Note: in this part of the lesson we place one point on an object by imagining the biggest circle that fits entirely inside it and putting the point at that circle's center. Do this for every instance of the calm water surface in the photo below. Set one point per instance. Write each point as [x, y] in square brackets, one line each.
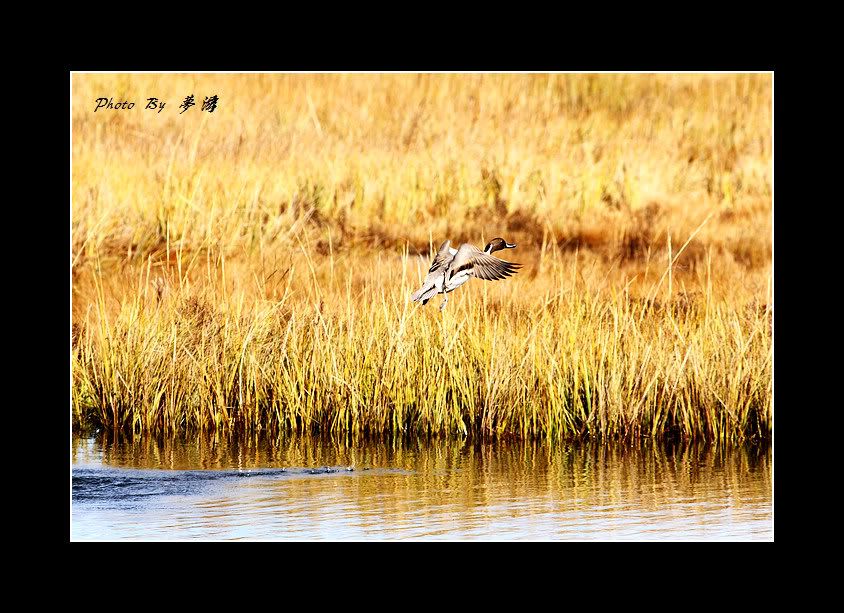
[259, 489]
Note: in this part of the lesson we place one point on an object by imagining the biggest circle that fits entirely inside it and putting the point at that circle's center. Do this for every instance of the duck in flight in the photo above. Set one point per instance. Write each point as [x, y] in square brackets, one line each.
[453, 267]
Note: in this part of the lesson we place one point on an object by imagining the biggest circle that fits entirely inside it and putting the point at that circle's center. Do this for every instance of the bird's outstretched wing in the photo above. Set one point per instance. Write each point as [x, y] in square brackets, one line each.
[442, 259]
[438, 268]
[480, 264]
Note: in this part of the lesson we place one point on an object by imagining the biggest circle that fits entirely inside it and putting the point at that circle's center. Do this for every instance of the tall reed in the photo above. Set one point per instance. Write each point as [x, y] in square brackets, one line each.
[251, 269]
[517, 358]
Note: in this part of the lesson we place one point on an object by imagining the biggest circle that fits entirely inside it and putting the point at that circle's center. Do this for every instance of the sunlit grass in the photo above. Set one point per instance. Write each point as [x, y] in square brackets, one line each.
[251, 269]
[347, 355]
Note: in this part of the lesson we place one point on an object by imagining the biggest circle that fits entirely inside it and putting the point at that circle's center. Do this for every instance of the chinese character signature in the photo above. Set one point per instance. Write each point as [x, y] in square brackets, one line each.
[209, 104]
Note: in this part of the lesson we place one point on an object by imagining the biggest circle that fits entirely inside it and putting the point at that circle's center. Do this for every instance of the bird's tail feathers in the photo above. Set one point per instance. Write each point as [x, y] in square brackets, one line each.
[424, 294]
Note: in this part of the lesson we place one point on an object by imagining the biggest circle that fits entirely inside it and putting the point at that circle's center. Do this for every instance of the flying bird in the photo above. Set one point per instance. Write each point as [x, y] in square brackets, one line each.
[451, 268]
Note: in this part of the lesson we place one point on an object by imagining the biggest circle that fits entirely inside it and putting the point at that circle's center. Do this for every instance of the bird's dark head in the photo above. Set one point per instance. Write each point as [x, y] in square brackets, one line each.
[497, 244]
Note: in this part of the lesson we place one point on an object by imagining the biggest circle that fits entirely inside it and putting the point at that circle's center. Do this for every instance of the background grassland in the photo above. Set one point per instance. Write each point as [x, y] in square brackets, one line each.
[251, 267]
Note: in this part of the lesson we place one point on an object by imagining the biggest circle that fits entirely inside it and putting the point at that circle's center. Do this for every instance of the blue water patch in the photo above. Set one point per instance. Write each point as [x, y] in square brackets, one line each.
[123, 485]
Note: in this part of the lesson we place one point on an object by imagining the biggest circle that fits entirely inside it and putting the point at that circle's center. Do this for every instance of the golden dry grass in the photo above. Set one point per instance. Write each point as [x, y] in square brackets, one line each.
[251, 268]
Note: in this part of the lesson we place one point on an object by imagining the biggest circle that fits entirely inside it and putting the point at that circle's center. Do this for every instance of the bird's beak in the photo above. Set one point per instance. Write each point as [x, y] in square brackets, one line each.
[509, 245]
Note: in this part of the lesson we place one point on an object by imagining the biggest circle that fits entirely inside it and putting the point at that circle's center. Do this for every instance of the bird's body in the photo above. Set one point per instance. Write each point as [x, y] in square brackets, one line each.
[452, 268]
[435, 279]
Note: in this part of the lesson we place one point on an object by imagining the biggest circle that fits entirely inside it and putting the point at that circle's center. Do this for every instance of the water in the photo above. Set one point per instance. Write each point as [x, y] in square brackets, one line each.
[300, 489]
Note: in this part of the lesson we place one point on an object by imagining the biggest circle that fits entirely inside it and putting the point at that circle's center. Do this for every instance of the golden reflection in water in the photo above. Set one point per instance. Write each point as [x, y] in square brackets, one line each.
[458, 489]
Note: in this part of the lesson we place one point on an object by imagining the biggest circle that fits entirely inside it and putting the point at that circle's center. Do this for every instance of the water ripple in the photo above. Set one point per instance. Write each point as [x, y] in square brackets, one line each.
[432, 493]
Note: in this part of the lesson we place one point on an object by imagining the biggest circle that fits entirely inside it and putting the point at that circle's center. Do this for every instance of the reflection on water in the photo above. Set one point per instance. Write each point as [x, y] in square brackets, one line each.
[302, 488]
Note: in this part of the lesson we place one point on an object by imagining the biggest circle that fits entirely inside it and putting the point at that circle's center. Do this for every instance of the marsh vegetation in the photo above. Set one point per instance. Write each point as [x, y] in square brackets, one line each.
[251, 269]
